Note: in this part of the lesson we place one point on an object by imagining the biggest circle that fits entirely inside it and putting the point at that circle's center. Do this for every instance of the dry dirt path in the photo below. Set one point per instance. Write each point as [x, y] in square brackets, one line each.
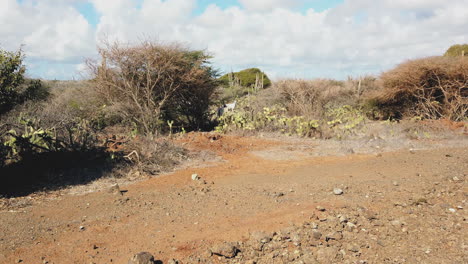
[259, 185]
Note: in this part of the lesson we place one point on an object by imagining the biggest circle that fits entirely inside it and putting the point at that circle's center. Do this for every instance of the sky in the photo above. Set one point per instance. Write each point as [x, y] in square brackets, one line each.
[301, 39]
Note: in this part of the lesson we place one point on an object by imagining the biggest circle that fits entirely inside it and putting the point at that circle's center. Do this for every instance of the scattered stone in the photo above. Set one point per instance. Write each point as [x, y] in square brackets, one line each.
[82, 228]
[456, 179]
[320, 208]
[326, 255]
[343, 219]
[337, 191]
[452, 210]
[350, 226]
[420, 201]
[195, 177]
[115, 189]
[333, 236]
[262, 237]
[277, 194]
[227, 250]
[395, 183]
[316, 234]
[353, 248]
[142, 258]
[370, 215]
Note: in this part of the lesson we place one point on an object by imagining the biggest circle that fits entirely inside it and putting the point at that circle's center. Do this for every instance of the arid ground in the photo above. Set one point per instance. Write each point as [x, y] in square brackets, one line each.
[259, 200]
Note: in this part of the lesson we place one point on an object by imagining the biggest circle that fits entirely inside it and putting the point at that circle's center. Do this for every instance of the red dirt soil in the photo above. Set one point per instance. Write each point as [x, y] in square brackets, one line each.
[173, 216]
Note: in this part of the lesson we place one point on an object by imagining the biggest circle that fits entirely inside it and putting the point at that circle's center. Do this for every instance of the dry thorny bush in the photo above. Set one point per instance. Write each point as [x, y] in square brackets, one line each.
[431, 88]
[312, 98]
[150, 83]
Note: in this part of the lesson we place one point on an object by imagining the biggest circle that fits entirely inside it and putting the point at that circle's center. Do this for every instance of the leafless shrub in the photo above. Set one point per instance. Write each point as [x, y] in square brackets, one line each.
[150, 83]
[311, 98]
[154, 156]
[435, 87]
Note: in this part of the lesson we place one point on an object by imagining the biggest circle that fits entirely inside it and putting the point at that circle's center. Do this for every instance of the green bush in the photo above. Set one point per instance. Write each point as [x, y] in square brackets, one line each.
[457, 50]
[14, 87]
[271, 119]
[246, 78]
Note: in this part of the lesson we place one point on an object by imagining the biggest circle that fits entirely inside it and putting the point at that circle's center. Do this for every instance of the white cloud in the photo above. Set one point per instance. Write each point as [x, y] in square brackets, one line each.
[49, 29]
[356, 37]
[265, 5]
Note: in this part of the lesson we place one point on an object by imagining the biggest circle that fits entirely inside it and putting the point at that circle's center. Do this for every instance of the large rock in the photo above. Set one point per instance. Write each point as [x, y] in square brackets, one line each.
[227, 250]
[142, 258]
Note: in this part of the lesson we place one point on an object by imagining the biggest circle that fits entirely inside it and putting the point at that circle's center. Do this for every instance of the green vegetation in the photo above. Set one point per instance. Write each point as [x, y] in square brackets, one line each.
[50, 137]
[268, 119]
[248, 78]
[457, 50]
[238, 84]
[14, 87]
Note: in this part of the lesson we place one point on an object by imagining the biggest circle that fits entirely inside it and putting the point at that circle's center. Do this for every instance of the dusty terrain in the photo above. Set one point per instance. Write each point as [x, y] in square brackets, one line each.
[260, 201]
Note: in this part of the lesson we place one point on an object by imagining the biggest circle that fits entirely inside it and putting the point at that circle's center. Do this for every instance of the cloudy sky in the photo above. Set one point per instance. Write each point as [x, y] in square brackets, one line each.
[286, 38]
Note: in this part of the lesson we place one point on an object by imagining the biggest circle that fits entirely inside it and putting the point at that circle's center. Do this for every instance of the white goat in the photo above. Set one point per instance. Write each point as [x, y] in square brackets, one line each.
[226, 108]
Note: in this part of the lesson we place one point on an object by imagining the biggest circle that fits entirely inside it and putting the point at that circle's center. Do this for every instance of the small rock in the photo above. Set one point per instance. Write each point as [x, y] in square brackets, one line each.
[350, 226]
[277, 194]
[456, 178]
[370, 215]
[316, 234]
[82, 228]
[459, 207]
[142, 258]
[320, 208]
[326, 255]
[452, 210]
[334, 236]
[353, 248]
[337, 191]
[395, 183]
[261, 237]
[227, 250]
[115, 189]
[343, 219]
[195, 177]
[173, 261]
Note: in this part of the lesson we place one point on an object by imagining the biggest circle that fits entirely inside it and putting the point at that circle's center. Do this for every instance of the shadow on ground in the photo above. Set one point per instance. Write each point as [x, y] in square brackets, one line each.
[56, 170]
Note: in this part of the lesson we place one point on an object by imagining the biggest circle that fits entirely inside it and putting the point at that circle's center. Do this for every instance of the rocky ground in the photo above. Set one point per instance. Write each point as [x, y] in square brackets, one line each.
[260, 201]
[429, 229]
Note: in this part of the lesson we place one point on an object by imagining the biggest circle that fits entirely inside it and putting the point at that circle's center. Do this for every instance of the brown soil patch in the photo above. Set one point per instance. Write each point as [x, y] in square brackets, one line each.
[173, 216]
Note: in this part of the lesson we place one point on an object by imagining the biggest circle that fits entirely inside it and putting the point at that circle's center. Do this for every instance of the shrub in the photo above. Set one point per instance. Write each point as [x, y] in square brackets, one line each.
[246, 78]
[14, 87]
[457, 50]
[311, 98]
[151, 83]
[272, 119]
[435, 87]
